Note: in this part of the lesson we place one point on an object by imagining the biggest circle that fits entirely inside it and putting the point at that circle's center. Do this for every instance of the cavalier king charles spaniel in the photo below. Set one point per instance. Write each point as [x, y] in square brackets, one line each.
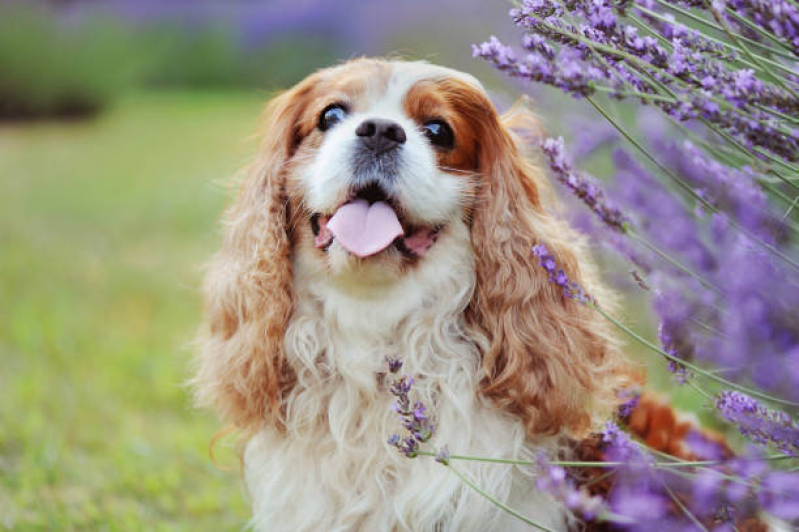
[391, 212]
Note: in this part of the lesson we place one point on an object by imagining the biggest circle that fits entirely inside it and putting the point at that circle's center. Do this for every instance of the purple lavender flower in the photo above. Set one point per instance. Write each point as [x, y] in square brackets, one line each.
[780, 17]
[554, 480]
[705, 448]
[581, 185]
[578, 46]
[412, 415]
[442, 456]
[558, 276]
[650, 204]
[394, 364]
[675, 335]
[618, 445]
[759, 423]
[732, 190]
[639, 502]
[631, 396]
[779, 494]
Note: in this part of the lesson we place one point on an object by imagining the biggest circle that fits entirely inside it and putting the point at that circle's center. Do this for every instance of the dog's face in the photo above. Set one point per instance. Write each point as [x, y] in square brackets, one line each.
[384, 163]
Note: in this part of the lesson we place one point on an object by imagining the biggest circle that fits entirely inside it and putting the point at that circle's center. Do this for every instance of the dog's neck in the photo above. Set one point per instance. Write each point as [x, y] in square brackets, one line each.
[341, 332]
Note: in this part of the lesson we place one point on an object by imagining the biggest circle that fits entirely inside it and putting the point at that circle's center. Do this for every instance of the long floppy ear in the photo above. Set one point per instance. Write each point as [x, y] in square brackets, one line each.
[242, 370]
[546, 358]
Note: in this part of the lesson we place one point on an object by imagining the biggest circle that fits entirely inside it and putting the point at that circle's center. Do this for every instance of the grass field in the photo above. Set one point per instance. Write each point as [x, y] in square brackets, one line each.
[103, 228]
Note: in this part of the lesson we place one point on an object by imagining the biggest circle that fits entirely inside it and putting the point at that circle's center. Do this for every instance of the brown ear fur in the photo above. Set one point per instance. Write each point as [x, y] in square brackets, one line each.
[242, 370]
[546, 358]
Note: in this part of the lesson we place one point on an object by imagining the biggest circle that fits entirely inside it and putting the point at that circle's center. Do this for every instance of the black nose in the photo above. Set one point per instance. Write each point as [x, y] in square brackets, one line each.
[380, 135]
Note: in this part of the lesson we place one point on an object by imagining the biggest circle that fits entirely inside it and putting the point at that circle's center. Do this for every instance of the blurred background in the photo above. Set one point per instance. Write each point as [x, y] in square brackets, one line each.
[120, 123]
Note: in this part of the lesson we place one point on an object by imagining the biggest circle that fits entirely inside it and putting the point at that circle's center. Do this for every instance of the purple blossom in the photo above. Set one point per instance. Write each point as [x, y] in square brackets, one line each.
[703, 80]
[674, 332]
[394, 364]
[558, 276]
[703, 447]
[639, 502]
[632, 397]
[442, 456]
[554, 480]
[780, 17]
[779, 494]
[759, 423]
[581, 185]
[412, 415]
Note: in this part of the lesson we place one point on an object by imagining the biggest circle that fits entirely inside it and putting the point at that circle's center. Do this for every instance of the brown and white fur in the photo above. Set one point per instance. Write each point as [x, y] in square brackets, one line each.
[295, 339]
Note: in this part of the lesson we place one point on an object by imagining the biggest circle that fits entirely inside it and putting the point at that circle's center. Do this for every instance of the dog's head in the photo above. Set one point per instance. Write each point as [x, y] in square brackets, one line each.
[368, 172]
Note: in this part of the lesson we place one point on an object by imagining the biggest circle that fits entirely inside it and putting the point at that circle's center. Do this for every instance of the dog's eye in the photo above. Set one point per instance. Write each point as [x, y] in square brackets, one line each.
[332, 115]
[439, 133]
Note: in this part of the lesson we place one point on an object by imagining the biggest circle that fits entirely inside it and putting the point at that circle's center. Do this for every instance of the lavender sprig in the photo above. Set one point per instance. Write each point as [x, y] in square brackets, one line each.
[571, 289]
[583, 45]
[581, 185]
[554, 480]
[758, 423]
[412, 414]
[631, 397]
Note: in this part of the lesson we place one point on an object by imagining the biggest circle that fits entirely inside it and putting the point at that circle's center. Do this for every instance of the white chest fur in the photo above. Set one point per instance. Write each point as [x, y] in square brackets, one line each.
[332, 469]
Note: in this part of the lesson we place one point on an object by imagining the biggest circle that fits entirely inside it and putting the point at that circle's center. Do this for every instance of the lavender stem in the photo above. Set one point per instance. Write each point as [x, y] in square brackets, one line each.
[498, 503]
[687, 187]
[690, 366]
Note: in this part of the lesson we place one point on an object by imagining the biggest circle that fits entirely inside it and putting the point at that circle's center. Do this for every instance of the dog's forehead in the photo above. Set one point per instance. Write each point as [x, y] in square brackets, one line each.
[371, 83]
[405, 75]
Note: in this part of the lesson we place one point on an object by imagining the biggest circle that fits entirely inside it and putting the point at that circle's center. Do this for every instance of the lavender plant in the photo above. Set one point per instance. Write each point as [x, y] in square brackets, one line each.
[702, 204]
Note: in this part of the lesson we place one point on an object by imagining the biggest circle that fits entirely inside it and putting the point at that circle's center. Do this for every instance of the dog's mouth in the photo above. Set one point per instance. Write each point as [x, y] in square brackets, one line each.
[369, 222]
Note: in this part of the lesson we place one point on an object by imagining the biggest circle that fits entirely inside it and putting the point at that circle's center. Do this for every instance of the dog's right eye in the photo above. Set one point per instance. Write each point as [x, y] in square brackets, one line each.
[332, 115]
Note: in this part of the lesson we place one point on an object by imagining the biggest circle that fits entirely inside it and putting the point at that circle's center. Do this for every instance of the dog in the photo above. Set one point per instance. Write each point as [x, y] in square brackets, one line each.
[391, 212]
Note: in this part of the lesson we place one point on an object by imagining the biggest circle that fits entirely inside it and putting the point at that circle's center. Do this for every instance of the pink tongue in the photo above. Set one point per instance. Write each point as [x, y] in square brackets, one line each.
[365, 229]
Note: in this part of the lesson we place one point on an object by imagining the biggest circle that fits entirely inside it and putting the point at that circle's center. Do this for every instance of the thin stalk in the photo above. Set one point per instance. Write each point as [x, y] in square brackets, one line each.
[675, 463]
[731, 478]
[709, 24]
[749, 54]
[707, 327]
[778, 161]
[682, 507]
[731, 140]
[770, 458]
[790, 208]
[661, 18]
[498, 503]
[599, 479]
[721, 152]
[665, 88]
[644, 64]
[779, 114]
[699, 390]
[696, 369]
[685, 186]
[635, 94]
[665, 256]
[755, 27]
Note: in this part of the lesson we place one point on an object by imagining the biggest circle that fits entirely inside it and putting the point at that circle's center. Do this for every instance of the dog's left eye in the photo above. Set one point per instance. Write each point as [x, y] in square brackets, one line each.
[332, 115]
[439, 134]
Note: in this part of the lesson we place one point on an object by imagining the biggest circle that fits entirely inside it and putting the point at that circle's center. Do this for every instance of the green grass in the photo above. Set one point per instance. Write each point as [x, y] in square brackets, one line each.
[104, 226]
